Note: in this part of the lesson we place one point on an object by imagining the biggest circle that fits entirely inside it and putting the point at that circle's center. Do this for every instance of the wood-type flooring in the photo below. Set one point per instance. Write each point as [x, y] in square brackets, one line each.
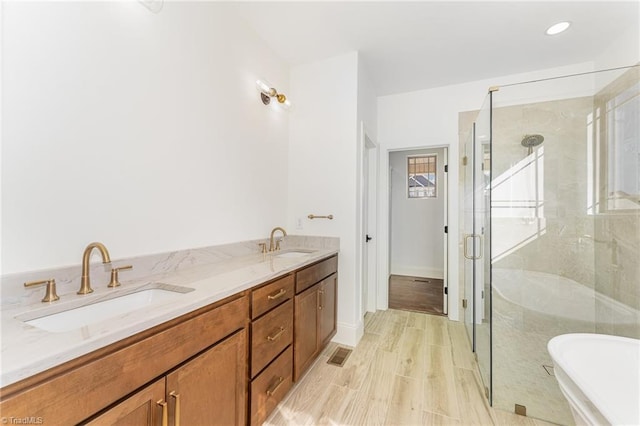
[416, 294]
[409, 369]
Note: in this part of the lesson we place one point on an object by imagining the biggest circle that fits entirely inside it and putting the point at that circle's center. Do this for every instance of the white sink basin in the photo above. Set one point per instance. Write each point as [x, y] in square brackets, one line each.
[295, 253]
[101, 310]
[600, 377]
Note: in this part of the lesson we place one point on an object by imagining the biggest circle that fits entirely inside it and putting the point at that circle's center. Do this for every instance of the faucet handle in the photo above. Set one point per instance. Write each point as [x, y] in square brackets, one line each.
[278, 241]
[50, 295]
[114, 275]
[263, 247]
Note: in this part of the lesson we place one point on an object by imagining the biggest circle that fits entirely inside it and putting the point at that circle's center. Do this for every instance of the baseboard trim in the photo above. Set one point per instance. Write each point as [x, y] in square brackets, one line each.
[417, 271]
[348, 334]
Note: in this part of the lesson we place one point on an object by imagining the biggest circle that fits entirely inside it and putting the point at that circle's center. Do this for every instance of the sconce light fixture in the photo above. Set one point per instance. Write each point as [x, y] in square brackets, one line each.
[267, 92]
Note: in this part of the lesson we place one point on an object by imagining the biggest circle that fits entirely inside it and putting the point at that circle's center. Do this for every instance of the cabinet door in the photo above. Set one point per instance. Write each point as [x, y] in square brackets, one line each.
[327, 309]
[305, 344]
[212, 387]
[140, 409]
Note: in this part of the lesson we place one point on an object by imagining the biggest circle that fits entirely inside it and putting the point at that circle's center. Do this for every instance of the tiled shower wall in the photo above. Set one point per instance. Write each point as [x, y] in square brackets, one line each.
[617, 257]
[560, 233]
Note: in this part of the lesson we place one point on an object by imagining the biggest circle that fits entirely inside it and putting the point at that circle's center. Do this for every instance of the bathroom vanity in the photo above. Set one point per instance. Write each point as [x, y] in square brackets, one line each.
[229, 361]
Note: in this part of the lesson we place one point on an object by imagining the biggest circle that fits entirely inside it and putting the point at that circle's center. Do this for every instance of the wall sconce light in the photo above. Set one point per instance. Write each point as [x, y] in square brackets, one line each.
[267, 92]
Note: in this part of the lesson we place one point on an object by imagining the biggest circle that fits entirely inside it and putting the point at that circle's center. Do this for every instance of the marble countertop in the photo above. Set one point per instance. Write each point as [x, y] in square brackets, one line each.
[27, 350]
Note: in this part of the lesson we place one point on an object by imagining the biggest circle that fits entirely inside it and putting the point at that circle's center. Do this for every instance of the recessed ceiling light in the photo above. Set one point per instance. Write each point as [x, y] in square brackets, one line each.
[558, 28]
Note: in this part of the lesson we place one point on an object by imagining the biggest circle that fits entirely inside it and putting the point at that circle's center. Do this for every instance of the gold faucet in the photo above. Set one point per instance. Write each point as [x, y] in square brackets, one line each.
[277, 246]
[51, 295]
[85, 283]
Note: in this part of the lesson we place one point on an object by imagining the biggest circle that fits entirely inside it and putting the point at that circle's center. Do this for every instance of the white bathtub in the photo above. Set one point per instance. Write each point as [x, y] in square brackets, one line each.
[562, 297]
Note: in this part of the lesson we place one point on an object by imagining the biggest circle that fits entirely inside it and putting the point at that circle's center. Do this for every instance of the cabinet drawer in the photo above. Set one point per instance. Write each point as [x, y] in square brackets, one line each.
[271, 295]
[270, 387]
[270, 335]
[314, 273]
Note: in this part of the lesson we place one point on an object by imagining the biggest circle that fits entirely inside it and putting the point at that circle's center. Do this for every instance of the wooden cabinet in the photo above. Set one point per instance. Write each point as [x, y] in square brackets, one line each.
[205, 367]
[306, 331]
[270, 335]
[314, 312]
[211, 388]
[327, 309]
[271, 386]
[271, 295]
[271, 353]
[141, 408]
[75, 391]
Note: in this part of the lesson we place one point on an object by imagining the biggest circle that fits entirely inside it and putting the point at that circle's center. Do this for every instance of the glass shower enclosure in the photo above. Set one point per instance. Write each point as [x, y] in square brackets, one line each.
[551, 228]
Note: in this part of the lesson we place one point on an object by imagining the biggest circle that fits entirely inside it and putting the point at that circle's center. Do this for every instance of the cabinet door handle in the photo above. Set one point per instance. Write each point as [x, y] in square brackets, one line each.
[177, 416]
[273, 390]
[321, 297]
[276, 336]
[165, 413]
[277, 295]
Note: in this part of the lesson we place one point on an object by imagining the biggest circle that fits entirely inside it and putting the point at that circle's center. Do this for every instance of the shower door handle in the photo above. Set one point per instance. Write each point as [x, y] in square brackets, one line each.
[466, 246]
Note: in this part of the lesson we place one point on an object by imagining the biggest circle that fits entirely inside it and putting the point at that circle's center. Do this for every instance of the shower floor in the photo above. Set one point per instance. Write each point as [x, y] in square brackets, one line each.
[519, 356]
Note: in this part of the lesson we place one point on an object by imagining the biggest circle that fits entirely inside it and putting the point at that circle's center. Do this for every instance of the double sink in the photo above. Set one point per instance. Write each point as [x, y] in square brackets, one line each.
[120, 302]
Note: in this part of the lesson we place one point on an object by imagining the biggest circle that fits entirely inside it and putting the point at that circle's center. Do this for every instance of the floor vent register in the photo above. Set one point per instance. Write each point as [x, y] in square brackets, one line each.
[339, 357]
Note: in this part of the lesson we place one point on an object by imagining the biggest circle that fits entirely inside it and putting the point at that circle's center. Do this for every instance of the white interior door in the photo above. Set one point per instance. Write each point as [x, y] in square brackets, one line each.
[368, 231]
[365, 227]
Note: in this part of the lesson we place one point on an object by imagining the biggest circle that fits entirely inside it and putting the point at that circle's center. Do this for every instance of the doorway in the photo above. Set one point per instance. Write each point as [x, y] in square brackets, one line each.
[368, 221]
[417, 223]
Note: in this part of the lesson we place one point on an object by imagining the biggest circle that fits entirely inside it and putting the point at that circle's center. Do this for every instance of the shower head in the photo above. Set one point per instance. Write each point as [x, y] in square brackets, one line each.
[529, 141]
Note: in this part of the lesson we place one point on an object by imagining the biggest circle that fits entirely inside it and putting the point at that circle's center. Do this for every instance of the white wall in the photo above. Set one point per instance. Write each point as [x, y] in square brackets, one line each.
[323, 168]
[417, 225]
[142, 131]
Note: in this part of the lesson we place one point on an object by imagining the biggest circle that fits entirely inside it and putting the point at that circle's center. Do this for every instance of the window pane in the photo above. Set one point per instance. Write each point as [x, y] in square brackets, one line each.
[422, 176]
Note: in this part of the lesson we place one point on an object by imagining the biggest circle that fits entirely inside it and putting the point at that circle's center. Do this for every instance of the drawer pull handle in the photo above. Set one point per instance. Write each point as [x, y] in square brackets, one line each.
[277, 295]
[177, 416]
[273, 390]
[165, 413]
[276, 336]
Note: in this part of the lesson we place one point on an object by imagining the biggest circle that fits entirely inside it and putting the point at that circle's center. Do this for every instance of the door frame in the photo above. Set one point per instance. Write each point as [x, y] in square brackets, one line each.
[385, 261]
[368, 214]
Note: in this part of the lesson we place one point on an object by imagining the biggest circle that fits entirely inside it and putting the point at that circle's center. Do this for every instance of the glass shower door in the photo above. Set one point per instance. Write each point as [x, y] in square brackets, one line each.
[482, 242]
[477, 243]
[468, 216]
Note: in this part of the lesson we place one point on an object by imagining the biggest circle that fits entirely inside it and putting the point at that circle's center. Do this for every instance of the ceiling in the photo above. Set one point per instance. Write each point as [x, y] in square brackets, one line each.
[415, 45]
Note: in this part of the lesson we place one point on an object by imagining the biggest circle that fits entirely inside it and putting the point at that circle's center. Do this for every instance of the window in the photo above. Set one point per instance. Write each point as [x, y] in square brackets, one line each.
[422, 176]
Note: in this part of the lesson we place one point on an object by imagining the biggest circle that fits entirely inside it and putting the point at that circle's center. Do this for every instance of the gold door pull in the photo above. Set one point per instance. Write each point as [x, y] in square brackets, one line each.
[273, 390]
[114, 276]
[50, 295]
[277, 295]
[176, 395]
[276, 336]
[165, 413]
[314, 216]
